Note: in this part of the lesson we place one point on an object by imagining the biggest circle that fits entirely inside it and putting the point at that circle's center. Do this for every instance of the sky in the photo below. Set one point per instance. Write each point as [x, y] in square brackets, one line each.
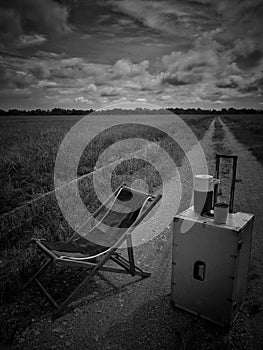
[90, 53]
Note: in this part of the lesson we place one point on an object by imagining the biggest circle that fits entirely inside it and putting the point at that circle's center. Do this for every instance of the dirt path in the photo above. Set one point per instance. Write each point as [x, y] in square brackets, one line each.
[138, 315]
[249, 198]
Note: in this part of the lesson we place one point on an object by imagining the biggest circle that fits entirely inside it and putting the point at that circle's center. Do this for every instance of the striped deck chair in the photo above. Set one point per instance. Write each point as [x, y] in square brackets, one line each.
[128, 208]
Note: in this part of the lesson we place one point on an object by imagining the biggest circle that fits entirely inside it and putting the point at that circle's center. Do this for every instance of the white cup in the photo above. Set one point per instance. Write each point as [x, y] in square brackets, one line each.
[220, 213]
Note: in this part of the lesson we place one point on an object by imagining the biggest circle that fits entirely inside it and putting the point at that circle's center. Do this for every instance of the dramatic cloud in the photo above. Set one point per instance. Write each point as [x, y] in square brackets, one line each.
[232, 81]
[29, 22]
[125, 69]
[164, 16]
[110, 91]
[27, 40]
[204, 63]
[198, 53]
[10, 26]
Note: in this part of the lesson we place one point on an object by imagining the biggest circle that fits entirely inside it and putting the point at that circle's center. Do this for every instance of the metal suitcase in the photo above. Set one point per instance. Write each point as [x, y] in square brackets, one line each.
[210, 264]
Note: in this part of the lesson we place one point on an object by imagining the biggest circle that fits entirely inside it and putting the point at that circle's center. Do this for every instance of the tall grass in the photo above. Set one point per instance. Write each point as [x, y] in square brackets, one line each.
[248, 129]
[27, 158]
[28, 153]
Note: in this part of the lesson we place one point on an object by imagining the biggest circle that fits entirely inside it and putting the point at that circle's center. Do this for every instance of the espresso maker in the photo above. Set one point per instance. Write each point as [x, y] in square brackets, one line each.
[206, 188]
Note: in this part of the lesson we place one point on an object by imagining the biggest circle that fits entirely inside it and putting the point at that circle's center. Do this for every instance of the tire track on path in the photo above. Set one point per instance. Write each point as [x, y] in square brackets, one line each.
[248, 198]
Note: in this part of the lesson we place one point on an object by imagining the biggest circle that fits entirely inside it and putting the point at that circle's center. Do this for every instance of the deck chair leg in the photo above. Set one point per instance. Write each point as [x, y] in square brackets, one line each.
[47, 295]
[120, 260]
[38, 273]
[81, 285]
[142, 273]
[62, 307]
[130, 254]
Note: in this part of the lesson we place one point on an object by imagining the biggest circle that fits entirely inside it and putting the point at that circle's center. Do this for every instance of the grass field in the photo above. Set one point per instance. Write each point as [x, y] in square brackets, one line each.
[29, 147]
[42, 217]
[248, 129]
[28, 205]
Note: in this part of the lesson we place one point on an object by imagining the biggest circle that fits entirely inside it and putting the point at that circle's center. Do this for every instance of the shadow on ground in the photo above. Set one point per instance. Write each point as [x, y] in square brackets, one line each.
[159, 325]
[30, 306]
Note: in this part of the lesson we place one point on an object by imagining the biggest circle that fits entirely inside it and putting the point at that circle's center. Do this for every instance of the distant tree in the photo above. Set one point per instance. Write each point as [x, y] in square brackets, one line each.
[175, 110]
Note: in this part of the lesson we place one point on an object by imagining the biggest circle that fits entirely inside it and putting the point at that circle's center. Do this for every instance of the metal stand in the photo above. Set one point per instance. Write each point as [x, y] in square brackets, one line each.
[233, 181]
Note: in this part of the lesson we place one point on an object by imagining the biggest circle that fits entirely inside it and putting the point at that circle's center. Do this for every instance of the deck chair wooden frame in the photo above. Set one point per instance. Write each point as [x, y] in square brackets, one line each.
[125, 266]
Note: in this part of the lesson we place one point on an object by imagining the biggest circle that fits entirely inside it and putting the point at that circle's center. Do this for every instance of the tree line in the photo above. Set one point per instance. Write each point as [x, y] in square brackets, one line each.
[53, 111]
[61, 111]
[215, 111]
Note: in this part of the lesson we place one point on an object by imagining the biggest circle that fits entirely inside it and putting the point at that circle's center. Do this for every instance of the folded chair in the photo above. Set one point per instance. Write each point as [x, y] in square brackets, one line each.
[92, 249]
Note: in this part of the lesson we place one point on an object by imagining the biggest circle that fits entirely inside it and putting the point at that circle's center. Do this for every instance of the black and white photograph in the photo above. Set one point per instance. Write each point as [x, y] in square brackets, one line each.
[131, 167]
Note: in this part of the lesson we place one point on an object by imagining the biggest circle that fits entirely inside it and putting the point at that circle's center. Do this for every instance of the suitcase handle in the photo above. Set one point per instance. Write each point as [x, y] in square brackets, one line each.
[199, 270]
[233, 181]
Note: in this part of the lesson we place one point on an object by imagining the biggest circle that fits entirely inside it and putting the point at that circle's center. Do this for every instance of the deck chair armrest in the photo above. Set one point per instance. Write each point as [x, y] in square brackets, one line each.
[34, 240]
[144, 213]
[46, 250]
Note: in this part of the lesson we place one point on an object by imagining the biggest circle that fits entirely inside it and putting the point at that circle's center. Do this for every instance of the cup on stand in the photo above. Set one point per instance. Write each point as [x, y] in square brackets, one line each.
[203, 193]
[221, 213]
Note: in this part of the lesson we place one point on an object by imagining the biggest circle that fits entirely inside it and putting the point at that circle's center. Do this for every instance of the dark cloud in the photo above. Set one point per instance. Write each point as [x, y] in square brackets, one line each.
[241, 20]
[30, 21]
[72, 71]
[174, 51]
[252, 59]
[39, 71]
[249, 89]
[252, 85]
[177, 80]
[228, 83]
[15, 79]
[10, 26]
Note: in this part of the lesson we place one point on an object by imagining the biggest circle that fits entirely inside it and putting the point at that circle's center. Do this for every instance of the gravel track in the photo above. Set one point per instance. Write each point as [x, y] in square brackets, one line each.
[138, 314]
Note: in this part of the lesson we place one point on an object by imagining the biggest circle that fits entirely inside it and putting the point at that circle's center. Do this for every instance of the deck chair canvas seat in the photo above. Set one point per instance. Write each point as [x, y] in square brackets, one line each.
[128, 208]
